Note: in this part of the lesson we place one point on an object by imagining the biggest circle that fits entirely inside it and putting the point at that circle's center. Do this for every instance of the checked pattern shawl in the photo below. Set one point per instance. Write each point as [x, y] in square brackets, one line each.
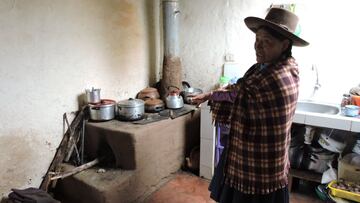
[257, 160]
[221, 108]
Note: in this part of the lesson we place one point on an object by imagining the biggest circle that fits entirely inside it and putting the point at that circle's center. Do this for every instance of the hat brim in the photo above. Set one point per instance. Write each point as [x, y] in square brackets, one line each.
[253, 23]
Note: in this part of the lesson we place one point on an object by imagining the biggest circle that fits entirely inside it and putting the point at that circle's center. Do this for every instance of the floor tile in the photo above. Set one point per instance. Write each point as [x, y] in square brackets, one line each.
[188, 188]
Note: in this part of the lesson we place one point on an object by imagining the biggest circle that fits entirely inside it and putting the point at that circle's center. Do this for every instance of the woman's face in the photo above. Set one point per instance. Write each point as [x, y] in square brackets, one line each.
[268, 48]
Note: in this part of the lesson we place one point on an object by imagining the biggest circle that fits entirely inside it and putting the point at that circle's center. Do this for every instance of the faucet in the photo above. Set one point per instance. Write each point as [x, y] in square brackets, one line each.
[317, 85]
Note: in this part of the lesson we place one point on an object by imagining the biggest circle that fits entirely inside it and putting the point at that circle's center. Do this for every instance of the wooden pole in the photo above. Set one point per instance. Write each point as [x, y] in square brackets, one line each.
[62, 151]
[76, 170]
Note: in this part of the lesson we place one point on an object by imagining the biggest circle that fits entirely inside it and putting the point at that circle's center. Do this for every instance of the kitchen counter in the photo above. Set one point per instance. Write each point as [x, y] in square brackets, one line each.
[328, 121]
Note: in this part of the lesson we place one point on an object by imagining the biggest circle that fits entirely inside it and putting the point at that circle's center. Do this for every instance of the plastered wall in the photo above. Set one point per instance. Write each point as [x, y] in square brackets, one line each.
[212, 28]
[50, 52]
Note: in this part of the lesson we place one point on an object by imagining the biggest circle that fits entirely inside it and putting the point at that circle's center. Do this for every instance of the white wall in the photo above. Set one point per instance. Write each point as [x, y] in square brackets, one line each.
[212, 28]
[50, 52]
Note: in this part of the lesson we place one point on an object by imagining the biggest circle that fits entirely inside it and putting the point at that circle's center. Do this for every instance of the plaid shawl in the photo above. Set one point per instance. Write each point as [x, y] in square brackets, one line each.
[257, 158]
[221, 110]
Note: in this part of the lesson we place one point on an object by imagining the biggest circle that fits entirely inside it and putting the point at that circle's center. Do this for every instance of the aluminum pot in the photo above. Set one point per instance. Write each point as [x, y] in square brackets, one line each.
[131, 109]
[102, 111]
[190, 92]
[92, 96]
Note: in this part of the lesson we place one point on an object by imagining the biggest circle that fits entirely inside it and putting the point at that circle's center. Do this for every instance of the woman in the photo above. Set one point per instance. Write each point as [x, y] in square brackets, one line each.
[255, 164]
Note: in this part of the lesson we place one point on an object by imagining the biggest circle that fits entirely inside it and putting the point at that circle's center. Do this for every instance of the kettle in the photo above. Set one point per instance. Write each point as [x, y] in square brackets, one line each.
[93, 96]
[174, 100]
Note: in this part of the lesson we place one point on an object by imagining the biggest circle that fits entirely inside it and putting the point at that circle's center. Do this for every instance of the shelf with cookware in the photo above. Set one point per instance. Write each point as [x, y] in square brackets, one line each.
[325, 125]
[319, 142]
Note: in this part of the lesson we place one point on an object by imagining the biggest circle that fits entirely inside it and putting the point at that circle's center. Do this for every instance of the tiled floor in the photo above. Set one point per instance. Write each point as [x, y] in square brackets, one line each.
[186, 188]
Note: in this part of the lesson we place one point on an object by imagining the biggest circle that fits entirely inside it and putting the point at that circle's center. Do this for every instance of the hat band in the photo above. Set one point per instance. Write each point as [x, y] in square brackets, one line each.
[284, 27]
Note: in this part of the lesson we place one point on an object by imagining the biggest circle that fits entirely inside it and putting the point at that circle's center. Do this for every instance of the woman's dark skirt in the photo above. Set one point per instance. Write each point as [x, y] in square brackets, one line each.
[224, 194]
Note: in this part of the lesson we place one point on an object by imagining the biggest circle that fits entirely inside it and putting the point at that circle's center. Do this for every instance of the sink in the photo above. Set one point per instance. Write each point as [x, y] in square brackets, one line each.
[317, 108]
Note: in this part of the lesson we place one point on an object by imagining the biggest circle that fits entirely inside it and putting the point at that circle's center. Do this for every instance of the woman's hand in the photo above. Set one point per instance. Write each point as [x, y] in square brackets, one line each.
[201, 98]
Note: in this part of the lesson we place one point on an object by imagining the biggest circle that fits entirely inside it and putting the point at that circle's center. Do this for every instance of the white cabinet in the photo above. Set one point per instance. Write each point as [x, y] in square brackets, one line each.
[207, 142]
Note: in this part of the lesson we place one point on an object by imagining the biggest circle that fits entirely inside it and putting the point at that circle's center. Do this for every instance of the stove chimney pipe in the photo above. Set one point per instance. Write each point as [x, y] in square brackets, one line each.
[172, 71]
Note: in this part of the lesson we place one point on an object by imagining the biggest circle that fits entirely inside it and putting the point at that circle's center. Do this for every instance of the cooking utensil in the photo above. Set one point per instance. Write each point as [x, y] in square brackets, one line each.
[154, 105]
[131, 109]
[92, 96]
[103, 111]
[190, 92]
[174, 100]
[148, 93]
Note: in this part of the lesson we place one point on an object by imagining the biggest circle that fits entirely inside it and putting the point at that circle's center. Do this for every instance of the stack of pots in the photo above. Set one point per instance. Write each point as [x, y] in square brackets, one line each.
[99, 109]
[318, 159]
[151, 97]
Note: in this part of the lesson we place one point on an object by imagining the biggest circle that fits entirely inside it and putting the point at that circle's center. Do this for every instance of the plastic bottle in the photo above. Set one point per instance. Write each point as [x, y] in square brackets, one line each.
[346, 100]
[223, 82]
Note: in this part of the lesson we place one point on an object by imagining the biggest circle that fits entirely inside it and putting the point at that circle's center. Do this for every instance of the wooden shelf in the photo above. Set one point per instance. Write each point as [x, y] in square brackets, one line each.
[306, 175]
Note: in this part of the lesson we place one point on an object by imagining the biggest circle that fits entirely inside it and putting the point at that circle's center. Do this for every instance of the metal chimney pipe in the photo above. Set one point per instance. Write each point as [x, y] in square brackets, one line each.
[171, 27]
[172, 71]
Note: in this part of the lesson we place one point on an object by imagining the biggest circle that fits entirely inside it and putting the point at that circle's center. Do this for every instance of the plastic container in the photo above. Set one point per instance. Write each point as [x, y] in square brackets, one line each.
[346, 100]
[343, 193]
[355, 100]
[347, 168]
[351, 110]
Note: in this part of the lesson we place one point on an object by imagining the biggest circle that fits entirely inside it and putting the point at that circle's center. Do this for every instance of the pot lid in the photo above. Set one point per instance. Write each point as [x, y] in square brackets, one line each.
[92, 90]
[149, 90]
[192, 90]
[153, 102]
[131, 103]
[103, 103]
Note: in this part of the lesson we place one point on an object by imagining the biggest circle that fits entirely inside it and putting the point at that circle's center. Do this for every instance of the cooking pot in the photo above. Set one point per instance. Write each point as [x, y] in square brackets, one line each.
[154, 105]
[148, 93]
[92, 96]
[319, 165]
[190, 92]
[174, 100]
[193, 161]
[131, 109]
[103, 111]
[331, 144]
[296, 156]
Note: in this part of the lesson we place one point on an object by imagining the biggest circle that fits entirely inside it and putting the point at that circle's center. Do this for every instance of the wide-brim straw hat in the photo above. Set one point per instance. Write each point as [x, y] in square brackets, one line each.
[280, 20]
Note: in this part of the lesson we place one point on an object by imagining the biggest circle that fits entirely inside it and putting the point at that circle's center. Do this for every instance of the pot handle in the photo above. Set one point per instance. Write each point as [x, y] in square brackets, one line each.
[157, 108]
[173, 87]
[185, 84]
